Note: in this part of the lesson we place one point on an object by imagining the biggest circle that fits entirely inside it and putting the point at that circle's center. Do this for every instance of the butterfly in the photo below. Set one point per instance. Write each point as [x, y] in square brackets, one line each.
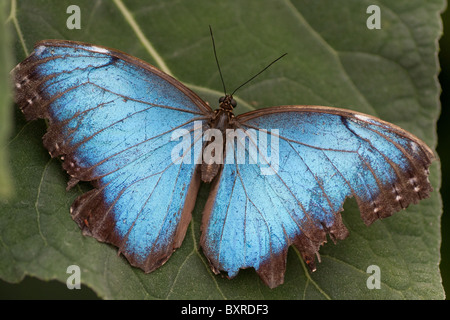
[279, 176]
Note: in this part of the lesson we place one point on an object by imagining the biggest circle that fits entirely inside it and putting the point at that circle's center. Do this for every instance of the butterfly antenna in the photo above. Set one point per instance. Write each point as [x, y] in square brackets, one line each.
[258, 73]
[217, 61]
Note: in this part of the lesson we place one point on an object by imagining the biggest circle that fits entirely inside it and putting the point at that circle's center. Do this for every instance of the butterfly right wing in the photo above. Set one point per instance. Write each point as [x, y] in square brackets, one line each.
[293, 195]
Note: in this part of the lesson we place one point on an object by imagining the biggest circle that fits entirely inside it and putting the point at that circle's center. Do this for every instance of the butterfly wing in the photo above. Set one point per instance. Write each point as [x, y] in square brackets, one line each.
[111, 118]
[325, 155]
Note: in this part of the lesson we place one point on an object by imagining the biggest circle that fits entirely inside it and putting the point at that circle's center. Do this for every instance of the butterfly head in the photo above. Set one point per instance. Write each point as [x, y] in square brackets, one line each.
[227, 103]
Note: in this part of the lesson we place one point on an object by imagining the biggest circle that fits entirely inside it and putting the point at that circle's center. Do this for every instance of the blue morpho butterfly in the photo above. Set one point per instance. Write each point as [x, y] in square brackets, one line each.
[140, 137]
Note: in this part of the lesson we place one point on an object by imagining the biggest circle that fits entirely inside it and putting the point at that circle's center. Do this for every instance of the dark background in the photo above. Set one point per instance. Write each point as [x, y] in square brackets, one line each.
[443, 149]
[31, 288]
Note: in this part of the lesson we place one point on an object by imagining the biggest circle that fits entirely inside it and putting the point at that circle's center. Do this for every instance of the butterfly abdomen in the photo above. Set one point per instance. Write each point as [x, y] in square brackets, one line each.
[209, 171]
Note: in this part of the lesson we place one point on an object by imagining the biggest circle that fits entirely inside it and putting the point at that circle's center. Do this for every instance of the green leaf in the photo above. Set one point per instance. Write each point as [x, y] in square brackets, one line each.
[333, 59]
[5, 103]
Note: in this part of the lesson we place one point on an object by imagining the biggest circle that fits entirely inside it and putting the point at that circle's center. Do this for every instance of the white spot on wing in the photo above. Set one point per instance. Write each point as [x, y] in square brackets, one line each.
[361, 117]
[414, 147]
[38, 51]
[99, 50]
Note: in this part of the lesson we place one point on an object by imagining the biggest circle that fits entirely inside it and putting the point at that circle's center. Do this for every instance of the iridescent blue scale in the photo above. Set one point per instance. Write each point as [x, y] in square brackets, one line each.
[112, 118]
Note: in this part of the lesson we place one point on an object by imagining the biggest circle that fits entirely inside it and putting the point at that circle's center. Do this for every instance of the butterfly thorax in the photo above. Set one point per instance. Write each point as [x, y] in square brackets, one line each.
[222, 120]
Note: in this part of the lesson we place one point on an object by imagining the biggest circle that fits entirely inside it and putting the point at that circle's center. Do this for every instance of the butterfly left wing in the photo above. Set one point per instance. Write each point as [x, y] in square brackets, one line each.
[255, 212]
[111, 117]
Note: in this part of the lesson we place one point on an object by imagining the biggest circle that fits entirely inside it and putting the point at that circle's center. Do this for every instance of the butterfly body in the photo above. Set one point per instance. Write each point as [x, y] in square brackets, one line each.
[279, 176]
[222, 120]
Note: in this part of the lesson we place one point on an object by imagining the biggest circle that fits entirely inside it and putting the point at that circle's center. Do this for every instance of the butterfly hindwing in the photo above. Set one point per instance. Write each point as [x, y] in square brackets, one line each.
[111, 118]
[325, 156]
